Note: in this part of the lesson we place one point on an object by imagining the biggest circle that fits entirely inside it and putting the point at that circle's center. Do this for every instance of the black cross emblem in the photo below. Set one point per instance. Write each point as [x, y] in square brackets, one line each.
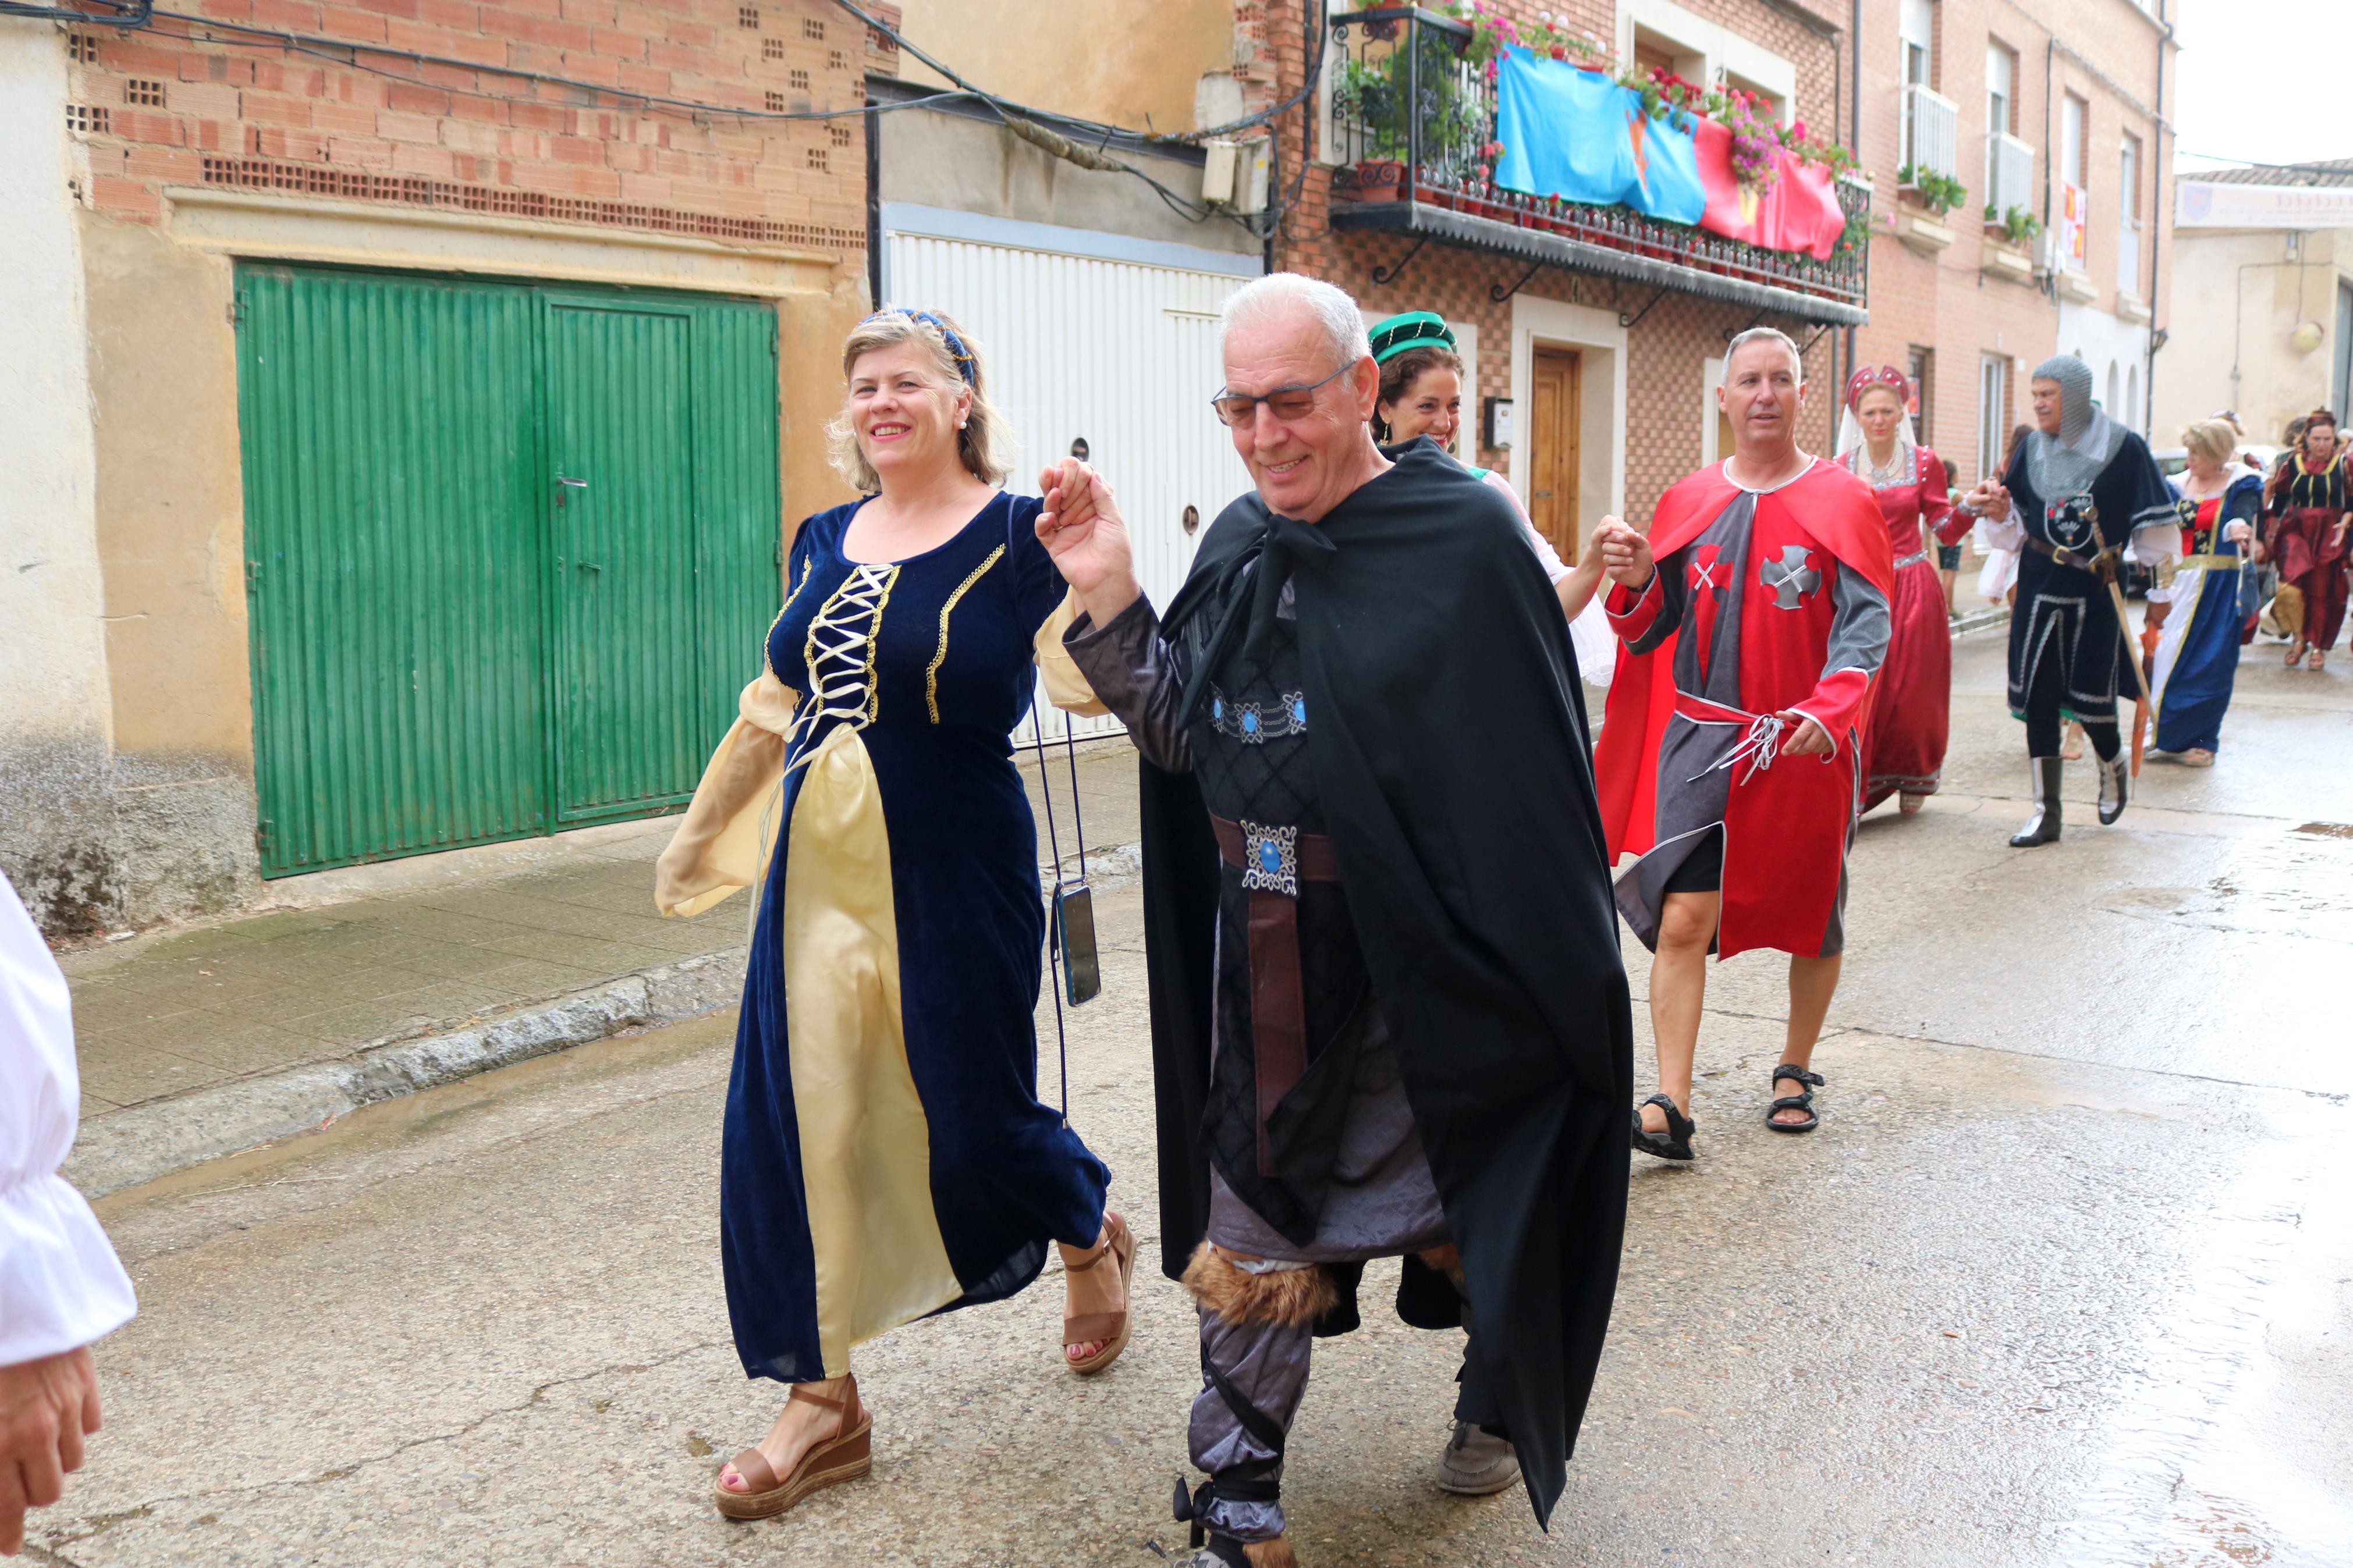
[1789, 577]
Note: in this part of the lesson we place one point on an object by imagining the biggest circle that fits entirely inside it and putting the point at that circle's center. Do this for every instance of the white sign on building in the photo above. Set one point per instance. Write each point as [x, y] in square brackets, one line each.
[2201, 204]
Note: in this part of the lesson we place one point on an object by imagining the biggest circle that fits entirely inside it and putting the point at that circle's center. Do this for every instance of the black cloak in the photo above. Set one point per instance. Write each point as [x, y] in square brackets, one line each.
[1454, 771]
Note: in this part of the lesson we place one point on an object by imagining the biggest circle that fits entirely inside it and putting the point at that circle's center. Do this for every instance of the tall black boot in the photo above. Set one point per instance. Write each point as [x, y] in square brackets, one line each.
[2113, 773]
[2042, 828]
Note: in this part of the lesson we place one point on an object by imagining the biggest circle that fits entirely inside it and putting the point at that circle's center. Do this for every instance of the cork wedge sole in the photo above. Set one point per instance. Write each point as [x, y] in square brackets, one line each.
[1114, 1329]
[844, 1456]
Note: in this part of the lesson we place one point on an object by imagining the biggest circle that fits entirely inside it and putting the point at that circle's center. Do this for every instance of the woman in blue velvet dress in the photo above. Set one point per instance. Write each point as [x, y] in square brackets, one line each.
[885, 1155]
[2204, 612]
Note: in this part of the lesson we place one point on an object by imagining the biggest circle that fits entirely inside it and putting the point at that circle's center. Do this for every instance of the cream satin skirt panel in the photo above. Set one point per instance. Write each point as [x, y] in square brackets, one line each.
[865, 1142]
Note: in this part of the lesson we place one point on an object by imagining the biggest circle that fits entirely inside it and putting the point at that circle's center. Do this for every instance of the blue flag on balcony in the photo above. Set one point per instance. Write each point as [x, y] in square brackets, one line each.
[1577, 136]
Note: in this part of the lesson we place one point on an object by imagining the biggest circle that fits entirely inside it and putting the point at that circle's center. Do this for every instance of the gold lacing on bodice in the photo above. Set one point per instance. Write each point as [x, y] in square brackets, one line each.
[839, 653]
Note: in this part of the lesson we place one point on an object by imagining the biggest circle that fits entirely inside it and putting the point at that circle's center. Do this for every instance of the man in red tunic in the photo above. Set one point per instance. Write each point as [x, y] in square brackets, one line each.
[1755, 618]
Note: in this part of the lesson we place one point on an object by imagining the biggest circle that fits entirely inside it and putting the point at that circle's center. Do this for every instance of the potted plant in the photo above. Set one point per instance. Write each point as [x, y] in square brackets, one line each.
[1387, 101]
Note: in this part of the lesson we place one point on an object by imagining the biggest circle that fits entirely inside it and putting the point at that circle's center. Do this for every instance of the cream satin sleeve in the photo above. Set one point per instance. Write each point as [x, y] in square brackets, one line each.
[1066, 688]
[729, 831]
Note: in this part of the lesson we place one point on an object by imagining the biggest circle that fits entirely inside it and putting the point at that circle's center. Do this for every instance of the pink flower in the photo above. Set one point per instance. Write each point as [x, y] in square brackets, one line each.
[1798, 130]
[1481, 171]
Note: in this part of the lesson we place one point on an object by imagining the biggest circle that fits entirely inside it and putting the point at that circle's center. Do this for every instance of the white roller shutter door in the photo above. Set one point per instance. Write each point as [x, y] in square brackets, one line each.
[1120, 355]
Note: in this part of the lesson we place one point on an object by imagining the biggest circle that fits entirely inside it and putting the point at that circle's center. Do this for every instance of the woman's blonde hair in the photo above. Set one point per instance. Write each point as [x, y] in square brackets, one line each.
[980, 444]
[2213, 439]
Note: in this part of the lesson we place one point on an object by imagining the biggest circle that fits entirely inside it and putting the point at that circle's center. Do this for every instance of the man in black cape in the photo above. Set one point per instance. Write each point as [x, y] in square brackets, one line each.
[2081, 491]
[1389, 1016]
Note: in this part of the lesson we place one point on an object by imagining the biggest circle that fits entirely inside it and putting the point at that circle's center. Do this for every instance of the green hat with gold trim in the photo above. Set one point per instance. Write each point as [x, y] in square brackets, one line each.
[1410, 329]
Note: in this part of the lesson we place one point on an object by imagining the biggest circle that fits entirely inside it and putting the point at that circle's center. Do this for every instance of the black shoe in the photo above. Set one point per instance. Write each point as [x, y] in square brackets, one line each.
[1807, 1083]
[2114, 771]
[1675, 1143]
[2043, 774]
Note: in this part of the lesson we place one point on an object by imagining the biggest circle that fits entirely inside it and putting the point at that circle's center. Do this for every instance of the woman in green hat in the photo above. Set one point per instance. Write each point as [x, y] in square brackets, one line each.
[1421, 395]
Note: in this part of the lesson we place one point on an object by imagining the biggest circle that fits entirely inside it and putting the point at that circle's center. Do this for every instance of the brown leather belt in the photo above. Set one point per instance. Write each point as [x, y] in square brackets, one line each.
[1269, 860]
[2100, 565]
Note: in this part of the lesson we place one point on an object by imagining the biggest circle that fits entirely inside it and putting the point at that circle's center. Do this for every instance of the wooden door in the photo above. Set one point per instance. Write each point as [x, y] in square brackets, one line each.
[1552, 448]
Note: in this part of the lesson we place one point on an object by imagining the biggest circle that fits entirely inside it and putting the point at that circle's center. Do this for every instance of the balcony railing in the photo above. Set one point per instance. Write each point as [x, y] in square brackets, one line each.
[1931, 132]
[1411, 117]
[2009, 173]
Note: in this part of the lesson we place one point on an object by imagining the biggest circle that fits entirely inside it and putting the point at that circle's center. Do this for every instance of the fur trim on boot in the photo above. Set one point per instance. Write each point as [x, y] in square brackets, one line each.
[1295, 1296]
[1275, 1553]
[1448, 1260]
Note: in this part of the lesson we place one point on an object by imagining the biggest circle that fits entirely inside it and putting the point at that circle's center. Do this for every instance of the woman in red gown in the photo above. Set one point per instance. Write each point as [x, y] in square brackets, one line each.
[1912, 713]
[2311, 503]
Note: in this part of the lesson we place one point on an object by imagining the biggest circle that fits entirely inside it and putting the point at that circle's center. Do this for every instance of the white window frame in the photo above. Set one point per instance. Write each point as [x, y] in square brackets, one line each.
[1993, 389]
[1997, 52]
[1718, 49]
[2129, 175]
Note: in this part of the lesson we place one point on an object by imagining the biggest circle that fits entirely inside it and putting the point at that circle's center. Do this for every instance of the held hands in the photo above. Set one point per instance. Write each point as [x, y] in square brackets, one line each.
[1625, 554]
[2239, 533]
[45, 1408]
[1990, 500]
[1083, 531]
[1805, 736]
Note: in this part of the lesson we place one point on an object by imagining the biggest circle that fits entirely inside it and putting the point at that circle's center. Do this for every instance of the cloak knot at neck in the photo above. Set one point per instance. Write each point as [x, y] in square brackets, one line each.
[1289, 543]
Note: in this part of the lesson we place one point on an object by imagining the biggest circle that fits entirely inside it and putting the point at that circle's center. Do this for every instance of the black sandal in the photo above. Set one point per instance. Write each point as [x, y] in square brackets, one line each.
[1805, 1101]
[1675, 1143]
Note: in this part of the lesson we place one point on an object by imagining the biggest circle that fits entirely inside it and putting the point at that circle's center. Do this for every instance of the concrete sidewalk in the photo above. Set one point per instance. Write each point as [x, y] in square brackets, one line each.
[200, 1041]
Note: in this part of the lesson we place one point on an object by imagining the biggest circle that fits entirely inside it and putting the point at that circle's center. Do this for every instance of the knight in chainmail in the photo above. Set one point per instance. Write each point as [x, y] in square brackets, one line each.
[2081, 491]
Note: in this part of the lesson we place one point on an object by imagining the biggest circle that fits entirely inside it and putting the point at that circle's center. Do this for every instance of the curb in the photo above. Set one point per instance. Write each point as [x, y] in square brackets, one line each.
[145, 1142]
[1980, 620]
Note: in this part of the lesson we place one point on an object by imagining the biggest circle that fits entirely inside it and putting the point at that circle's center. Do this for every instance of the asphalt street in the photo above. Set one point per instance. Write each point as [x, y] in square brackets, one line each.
[2066, 1278]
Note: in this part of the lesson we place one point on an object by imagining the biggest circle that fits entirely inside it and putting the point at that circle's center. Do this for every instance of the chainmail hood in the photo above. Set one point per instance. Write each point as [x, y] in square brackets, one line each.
[2063, 466]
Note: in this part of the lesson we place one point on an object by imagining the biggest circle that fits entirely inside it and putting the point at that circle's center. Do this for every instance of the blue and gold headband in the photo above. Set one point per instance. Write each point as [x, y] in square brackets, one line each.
[966, 366]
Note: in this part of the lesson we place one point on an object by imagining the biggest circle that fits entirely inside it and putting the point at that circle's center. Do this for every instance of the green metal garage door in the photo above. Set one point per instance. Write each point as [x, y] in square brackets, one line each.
[509, 551]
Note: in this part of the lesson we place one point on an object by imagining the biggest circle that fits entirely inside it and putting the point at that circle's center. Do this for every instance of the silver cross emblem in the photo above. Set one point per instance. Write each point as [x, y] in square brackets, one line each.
[1789, 577]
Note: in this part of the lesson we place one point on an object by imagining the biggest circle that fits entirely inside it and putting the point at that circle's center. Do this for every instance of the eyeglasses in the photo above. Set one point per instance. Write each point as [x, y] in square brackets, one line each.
[1239, 408]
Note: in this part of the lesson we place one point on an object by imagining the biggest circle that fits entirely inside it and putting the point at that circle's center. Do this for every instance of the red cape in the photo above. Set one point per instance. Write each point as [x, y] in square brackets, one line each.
[1779, 882]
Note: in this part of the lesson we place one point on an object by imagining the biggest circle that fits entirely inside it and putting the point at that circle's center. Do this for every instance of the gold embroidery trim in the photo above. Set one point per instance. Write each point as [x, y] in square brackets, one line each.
[809, 569]
[931, 675]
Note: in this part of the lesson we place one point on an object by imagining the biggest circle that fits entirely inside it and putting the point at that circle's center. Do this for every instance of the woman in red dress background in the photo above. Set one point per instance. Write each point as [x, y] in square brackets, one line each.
[1912, 711]
[2310, 505]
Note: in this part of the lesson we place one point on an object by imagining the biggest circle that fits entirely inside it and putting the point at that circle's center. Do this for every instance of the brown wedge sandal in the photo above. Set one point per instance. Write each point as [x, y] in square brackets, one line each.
[1110, 1328]
[844, 1456]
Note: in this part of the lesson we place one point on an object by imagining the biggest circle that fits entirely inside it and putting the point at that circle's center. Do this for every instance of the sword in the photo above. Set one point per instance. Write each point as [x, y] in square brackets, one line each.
[2142, 708]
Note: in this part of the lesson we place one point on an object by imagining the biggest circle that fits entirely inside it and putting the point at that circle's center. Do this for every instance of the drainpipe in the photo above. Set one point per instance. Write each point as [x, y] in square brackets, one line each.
[1854, 122]
[2158, 334]
[2050, 160]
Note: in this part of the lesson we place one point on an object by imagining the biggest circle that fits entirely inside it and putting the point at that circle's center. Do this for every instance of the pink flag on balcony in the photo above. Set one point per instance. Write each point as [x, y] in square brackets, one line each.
[1798, 211]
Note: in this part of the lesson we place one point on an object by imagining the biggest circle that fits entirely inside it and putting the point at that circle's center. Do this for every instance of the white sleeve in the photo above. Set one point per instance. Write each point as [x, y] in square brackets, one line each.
[60, 1284]
[1597, 644]
[2153, 546]
[2005, 533]
[1546, 555]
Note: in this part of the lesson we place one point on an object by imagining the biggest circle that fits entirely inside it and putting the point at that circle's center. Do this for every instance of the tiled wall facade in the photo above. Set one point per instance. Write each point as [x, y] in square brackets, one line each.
[1666, 393]
[2105, 52]
[185, 104]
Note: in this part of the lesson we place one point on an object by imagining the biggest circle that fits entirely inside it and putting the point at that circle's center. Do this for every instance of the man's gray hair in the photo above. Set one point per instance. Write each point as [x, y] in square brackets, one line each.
[1332, 310]
[1767, 334]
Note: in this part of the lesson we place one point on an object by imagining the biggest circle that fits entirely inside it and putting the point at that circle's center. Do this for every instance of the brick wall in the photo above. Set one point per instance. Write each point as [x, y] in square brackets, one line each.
[537, 119]
[1944, 302]
[1665, 390]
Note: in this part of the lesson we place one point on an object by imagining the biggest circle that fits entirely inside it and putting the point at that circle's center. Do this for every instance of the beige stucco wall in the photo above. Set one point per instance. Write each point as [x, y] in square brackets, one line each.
[171, 535]
[1134, 63]
[2240, 278]
[171, 799]
[809, 332]
[56, 839]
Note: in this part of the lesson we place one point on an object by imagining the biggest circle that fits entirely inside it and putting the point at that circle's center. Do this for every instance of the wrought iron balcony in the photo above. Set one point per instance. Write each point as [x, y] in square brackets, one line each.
[1410, 116]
